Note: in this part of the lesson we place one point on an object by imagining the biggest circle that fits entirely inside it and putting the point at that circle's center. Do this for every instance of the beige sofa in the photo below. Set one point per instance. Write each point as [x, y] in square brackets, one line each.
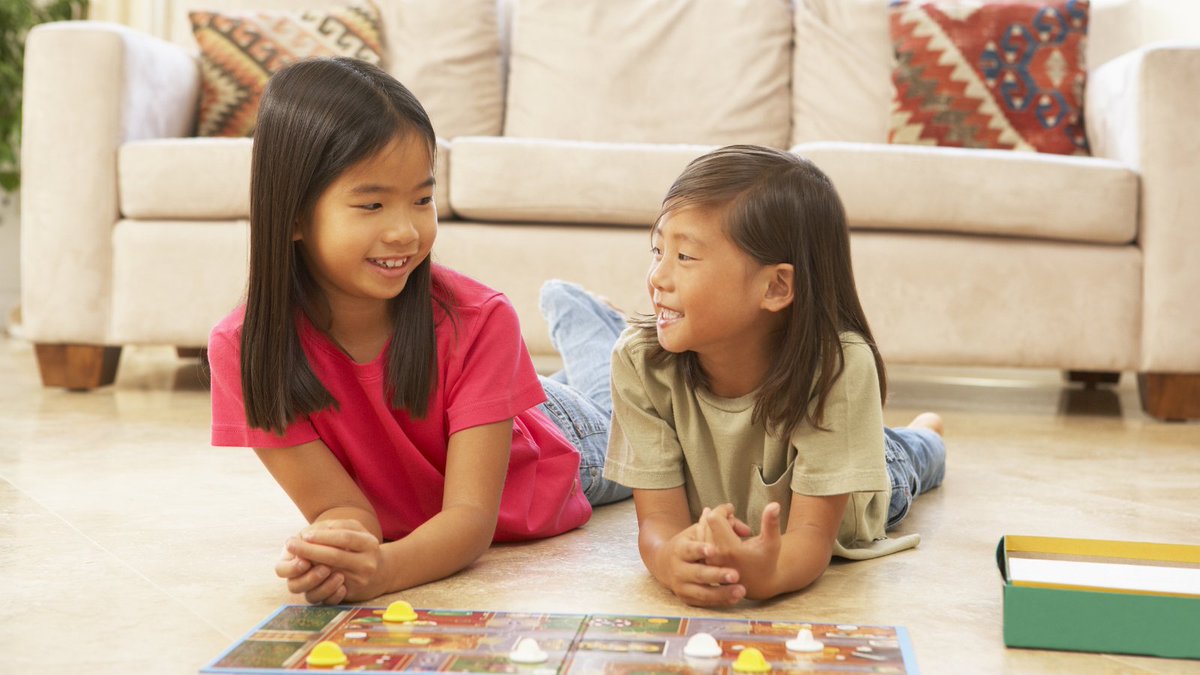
[563, 123]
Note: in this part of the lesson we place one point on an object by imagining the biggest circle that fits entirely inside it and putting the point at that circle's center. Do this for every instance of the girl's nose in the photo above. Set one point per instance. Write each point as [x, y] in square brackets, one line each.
[658, 277]
[401, 232]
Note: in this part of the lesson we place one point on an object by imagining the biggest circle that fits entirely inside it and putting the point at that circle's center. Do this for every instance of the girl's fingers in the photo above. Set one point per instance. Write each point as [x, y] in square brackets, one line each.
[711, 596]
[740, 528]
[722, 532]
[770, 523]
[326, 589]
[290, 567]
[338, 596]
[309, 580]
[350, 540]
[333, 556]
[691, 550]
[708, 575]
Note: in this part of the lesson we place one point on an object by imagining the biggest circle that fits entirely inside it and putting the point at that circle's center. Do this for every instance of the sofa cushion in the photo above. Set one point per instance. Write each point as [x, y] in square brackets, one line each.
[206, 178]
[654, 71]
[239, 51]
[540, 180]
[988, 192]
[842, 63]
[446, 51]
[1002, 75]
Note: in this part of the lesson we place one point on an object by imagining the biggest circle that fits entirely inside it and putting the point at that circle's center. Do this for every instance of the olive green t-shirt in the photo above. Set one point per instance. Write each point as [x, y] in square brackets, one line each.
[666, 435]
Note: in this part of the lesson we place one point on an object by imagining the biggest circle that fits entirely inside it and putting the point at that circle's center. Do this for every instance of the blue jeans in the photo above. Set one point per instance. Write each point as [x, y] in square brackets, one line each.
[579, 398]
[916, 462]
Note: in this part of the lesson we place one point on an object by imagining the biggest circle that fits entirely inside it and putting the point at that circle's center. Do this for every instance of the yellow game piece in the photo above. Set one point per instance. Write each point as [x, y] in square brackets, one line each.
[657, 621]
[419, 640]
[326, 655]
[751, 661]
[399, 612]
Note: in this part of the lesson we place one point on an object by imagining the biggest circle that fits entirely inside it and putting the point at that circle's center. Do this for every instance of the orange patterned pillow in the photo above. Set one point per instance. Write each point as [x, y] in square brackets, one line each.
[1005, 74]
[239, 51]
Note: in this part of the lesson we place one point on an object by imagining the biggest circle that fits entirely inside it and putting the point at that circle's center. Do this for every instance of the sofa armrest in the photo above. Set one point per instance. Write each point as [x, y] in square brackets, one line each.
[1142, 110]
[89, 87]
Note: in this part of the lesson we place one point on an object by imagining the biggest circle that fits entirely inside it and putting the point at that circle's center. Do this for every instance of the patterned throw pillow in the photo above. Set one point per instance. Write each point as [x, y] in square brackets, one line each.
[240, 51]
[1000, 74]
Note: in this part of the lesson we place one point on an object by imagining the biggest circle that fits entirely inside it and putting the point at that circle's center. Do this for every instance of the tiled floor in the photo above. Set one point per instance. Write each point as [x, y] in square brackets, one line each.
[128, 545]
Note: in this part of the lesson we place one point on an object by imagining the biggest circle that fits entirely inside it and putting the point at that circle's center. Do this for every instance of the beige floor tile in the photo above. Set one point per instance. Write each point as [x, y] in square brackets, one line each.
[118, 513]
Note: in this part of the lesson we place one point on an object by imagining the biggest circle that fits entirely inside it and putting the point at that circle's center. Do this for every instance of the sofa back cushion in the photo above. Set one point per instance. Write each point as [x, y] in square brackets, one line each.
[446, 51]
[1005, 75]
[659, 71]
[240, 51]
[843, 59]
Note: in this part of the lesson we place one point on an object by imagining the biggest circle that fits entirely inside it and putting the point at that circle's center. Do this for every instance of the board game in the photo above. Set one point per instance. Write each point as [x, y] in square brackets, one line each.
[296, 636]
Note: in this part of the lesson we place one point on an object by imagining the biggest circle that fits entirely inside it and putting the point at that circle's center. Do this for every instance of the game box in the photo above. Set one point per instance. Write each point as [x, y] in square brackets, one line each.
[1101, 596]
[401, 638]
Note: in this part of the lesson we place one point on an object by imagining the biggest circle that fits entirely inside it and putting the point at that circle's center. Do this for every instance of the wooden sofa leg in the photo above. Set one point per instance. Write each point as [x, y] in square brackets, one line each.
[1092, 378]
[77, 367]
[1170, 396]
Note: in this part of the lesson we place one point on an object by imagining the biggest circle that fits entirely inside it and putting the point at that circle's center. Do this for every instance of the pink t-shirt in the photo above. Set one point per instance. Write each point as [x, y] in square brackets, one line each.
[484, 376]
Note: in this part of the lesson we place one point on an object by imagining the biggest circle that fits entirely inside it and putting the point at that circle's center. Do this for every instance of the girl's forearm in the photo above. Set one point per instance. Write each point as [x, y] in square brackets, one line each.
[443, 545]
[653, 537]
[803, 556]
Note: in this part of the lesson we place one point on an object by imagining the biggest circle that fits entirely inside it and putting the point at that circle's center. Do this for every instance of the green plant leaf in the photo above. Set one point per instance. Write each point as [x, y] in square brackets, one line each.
[16, 18]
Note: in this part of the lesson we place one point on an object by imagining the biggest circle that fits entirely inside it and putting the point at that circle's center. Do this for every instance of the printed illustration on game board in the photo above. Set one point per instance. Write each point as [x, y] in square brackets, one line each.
[401, 639]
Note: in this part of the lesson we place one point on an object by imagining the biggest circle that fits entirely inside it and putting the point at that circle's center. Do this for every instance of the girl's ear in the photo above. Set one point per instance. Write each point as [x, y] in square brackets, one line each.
[781, 289]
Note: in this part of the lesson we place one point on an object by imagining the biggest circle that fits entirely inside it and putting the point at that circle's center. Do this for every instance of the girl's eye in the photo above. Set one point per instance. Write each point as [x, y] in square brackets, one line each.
[425, 201]
[371, 207]
[685, 258]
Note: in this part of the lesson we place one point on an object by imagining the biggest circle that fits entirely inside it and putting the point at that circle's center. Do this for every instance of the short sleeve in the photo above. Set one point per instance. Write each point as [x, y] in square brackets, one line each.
[848, 456]
[643, 448]
[229, 426]
[491, 377]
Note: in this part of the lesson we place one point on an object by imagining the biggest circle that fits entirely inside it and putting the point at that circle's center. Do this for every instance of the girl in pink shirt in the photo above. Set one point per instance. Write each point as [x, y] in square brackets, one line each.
[392, 399]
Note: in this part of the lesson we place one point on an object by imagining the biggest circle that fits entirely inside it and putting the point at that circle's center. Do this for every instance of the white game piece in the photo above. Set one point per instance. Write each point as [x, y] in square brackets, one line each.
[527, 651]
[702, 646]
[804, 642]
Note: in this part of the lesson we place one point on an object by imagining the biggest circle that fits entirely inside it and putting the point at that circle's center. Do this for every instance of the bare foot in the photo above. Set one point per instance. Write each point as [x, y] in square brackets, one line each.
[928, 420]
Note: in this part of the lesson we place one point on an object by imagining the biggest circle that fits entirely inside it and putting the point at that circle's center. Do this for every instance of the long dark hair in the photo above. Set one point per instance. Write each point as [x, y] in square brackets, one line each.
[317, 119]
[780, 208]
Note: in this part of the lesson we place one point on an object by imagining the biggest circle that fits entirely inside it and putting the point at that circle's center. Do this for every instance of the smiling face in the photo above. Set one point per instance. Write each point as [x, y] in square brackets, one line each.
[372, 226]
[709, 296]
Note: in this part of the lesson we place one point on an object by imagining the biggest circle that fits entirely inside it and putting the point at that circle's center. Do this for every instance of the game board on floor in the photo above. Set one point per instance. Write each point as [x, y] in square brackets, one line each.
[352, 638]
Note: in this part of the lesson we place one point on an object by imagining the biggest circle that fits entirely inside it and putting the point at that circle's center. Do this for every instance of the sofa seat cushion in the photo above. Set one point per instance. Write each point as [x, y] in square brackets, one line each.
[205, 178]
[651, 71]
[549, 181]
[986, 192]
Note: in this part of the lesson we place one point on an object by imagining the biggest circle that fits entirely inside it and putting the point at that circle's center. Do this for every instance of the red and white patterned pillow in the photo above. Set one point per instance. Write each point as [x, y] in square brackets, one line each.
[239, 51]
[1005, 74]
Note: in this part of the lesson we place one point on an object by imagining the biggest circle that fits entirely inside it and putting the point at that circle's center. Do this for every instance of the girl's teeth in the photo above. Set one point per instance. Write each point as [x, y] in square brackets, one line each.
[669, 314]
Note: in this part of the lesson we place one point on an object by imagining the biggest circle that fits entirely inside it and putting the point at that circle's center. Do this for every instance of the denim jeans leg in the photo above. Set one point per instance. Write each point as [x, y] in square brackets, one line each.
[916, 463]
[586, 426]
[583, 330]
